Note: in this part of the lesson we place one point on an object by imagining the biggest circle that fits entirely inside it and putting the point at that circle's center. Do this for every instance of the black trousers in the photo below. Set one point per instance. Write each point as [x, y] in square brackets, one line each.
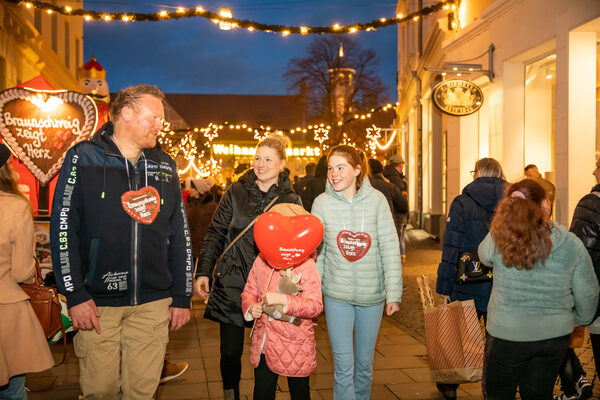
[232, 346]
[530, 366]
[265, 384]
[570, 372]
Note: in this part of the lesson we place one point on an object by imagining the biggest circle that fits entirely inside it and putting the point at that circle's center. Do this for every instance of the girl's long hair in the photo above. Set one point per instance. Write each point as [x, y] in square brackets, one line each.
[521, 226]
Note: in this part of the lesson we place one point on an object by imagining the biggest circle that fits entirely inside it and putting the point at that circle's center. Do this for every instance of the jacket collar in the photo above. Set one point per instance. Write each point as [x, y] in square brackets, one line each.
[364, 190]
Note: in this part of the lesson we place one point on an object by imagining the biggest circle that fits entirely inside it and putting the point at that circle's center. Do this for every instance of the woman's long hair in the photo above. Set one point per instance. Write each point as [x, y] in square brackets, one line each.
[521, 226]
[8, 180]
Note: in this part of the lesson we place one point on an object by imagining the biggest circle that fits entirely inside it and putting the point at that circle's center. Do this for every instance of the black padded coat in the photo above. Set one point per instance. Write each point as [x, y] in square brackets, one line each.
[240, 204]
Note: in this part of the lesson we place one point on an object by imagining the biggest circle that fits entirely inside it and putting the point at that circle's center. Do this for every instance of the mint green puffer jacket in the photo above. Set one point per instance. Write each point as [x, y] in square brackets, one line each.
[377, 276]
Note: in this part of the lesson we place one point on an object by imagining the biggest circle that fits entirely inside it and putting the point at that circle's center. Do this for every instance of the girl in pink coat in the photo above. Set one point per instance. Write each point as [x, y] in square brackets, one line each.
[280, 347]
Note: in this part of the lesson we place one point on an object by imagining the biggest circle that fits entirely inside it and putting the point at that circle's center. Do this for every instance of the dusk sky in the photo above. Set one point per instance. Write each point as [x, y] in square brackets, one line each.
[191, 55]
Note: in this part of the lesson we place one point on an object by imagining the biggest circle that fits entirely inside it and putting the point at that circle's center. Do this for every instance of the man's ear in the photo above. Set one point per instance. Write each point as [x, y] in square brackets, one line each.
[126, 114]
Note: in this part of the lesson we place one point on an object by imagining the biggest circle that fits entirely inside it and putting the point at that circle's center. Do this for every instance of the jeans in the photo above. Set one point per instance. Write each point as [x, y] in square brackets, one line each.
[530, 366]
[353, 365]
[232, 345]
[15, 389]
[401, 237]
[265, 383]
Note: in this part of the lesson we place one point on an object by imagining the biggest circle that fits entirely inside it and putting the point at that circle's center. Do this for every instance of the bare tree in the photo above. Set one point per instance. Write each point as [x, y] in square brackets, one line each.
[318, 76]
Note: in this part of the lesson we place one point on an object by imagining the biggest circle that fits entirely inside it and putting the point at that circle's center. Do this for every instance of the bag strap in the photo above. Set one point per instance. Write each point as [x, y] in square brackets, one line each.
[481, 211]
[242, 233]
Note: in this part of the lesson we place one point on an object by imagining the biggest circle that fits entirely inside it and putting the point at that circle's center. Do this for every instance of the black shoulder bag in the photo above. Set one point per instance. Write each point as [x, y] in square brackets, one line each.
[468, 268]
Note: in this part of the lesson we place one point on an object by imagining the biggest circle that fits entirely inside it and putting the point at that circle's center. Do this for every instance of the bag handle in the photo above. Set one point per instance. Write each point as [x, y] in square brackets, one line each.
[230, 245]
[481, 211]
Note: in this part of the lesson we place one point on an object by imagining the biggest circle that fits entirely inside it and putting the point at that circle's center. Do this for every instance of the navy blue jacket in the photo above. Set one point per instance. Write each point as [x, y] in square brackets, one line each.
[98, 251]
[465, 229]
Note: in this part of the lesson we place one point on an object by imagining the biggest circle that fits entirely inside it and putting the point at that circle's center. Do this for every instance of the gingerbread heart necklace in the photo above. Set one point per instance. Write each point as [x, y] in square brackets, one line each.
[354, 246]
[142, 205]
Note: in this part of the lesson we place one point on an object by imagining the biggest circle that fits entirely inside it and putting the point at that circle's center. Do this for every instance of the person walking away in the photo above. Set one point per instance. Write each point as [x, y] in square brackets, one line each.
[360, 268]
[467, 224]
[394, 172]
[121, 250]
[586, 225]
[264, 184]
[398, 202]
[23, 346]
[274, 338]
[315, 185]
[531, 172]
[544, 283]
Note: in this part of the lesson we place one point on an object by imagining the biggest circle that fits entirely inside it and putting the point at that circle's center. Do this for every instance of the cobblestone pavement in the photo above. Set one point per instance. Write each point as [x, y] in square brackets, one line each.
[423, 256]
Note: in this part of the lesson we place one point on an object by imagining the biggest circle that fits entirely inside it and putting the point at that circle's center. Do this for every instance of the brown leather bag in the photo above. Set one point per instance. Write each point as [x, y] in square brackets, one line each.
[45, 304]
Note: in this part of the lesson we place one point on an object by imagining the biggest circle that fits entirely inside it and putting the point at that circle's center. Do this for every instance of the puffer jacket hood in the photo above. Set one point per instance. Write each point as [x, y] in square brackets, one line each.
[487, 191]
[363, 192]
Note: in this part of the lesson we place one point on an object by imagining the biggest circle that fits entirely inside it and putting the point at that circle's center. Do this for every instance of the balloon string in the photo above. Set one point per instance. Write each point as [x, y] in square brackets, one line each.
[267, 288]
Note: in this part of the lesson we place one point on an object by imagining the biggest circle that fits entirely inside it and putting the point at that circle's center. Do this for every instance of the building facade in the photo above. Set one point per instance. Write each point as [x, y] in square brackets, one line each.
[537, 65]
[37, 42]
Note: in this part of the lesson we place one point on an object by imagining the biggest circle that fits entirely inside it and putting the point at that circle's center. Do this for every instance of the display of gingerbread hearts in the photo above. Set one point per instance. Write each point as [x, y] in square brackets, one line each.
[353, 245]
[142, 205]
[287, 241]
[41, 125]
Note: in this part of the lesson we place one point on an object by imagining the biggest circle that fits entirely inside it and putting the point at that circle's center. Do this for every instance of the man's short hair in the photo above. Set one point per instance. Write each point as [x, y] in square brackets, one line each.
[310, 168]
[529, 166]
[130, 96]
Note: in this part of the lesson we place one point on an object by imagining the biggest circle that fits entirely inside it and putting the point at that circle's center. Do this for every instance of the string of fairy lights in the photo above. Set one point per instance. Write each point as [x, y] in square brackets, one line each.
[225, 20]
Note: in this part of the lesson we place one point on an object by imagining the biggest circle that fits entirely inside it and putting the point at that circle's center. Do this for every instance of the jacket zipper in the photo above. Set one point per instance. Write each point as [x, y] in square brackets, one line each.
[135, 244]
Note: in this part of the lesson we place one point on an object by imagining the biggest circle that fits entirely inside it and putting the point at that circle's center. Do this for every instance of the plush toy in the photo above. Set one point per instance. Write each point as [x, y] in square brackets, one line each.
[287, 285]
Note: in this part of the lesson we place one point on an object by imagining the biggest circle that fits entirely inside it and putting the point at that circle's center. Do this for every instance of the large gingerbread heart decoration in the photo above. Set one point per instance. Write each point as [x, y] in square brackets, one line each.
[287, 241]
[41, 125]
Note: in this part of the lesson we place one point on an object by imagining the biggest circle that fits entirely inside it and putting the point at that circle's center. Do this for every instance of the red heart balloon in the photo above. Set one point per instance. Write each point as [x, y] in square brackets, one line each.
[287, 241]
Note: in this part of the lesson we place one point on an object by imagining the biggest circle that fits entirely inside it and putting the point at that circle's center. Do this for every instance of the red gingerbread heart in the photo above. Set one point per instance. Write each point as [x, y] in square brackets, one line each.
[142, 205]
[353, 245]
[287, 241]
[64, 135]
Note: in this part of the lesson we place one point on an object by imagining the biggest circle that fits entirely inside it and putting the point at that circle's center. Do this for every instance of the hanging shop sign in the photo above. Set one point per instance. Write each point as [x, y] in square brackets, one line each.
[232, 149]
[41, 125]
[457, 97]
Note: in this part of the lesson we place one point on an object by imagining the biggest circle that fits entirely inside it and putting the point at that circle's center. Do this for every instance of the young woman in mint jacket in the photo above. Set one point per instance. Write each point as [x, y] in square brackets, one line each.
[360, 268]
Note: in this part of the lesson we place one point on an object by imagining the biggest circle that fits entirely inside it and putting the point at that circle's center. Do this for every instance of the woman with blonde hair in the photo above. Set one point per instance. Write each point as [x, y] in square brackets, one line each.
[23, 347]
[544, 283]
[263, 185]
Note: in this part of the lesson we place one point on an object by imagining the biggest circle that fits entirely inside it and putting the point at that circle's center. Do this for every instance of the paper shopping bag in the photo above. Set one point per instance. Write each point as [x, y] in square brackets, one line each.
[454, 342]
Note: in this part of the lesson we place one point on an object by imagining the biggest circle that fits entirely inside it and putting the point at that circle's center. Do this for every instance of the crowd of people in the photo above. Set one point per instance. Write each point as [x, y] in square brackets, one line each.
[131, 245]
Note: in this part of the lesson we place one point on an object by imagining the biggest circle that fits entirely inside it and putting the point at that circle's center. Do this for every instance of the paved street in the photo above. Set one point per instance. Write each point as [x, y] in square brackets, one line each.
[401, 370]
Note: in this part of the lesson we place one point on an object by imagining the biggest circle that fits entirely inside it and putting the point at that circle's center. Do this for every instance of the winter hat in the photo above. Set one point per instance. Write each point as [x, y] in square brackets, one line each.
[202, 185]
[4, 154]
[289, 209]
[376, 166]
[396, 159]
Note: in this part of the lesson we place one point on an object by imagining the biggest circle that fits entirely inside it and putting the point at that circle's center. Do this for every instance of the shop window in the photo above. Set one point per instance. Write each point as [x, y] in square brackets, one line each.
[37, 19]
[67, 46]
[55, 33]
[540, 114]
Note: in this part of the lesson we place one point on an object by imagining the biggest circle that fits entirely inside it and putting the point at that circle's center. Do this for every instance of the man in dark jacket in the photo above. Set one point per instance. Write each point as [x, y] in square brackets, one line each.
[315, 185]
[397, 201]
[394, 172]
[310, 172]
[121, 249]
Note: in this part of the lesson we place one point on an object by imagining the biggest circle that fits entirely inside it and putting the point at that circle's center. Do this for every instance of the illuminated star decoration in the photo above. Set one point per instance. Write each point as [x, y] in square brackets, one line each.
[188, 146]
[321, 134]
[373, 133]
[211, 132]
[258, 135]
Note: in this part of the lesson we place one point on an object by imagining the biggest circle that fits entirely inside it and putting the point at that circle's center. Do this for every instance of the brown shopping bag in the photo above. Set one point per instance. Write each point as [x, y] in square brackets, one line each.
[453, 337]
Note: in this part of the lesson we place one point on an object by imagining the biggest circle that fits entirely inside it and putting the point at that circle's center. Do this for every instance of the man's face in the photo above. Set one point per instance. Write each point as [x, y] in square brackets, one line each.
[400, 167]
[532, 173]
[145, 121]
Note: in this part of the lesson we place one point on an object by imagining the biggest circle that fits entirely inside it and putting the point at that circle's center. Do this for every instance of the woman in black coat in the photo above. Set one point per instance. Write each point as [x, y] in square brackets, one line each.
[467, 225]
[242, 202]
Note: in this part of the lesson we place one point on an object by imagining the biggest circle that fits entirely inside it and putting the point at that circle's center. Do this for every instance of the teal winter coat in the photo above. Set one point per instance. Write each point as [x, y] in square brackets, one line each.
[377, 276]
[546, 301]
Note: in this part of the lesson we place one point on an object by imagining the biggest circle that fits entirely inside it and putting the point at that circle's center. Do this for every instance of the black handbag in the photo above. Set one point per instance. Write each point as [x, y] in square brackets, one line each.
[468, 268]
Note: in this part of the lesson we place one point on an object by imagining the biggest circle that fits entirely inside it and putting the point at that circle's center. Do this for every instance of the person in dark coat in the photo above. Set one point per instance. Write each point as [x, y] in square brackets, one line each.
[243, 201]
[316, 185]
[397, 201]
[465, 229]
[200, 207]
[310, 172]
[394, 172]
[586, 226]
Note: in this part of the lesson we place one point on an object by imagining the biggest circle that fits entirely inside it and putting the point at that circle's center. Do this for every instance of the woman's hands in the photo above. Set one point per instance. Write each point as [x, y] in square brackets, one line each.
[391, 308]
[256, 310]
[274, 298]
[202, 287]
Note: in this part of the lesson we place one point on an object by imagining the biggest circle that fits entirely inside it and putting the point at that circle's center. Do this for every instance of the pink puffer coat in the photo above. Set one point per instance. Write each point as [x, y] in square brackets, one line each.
[289, 350]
